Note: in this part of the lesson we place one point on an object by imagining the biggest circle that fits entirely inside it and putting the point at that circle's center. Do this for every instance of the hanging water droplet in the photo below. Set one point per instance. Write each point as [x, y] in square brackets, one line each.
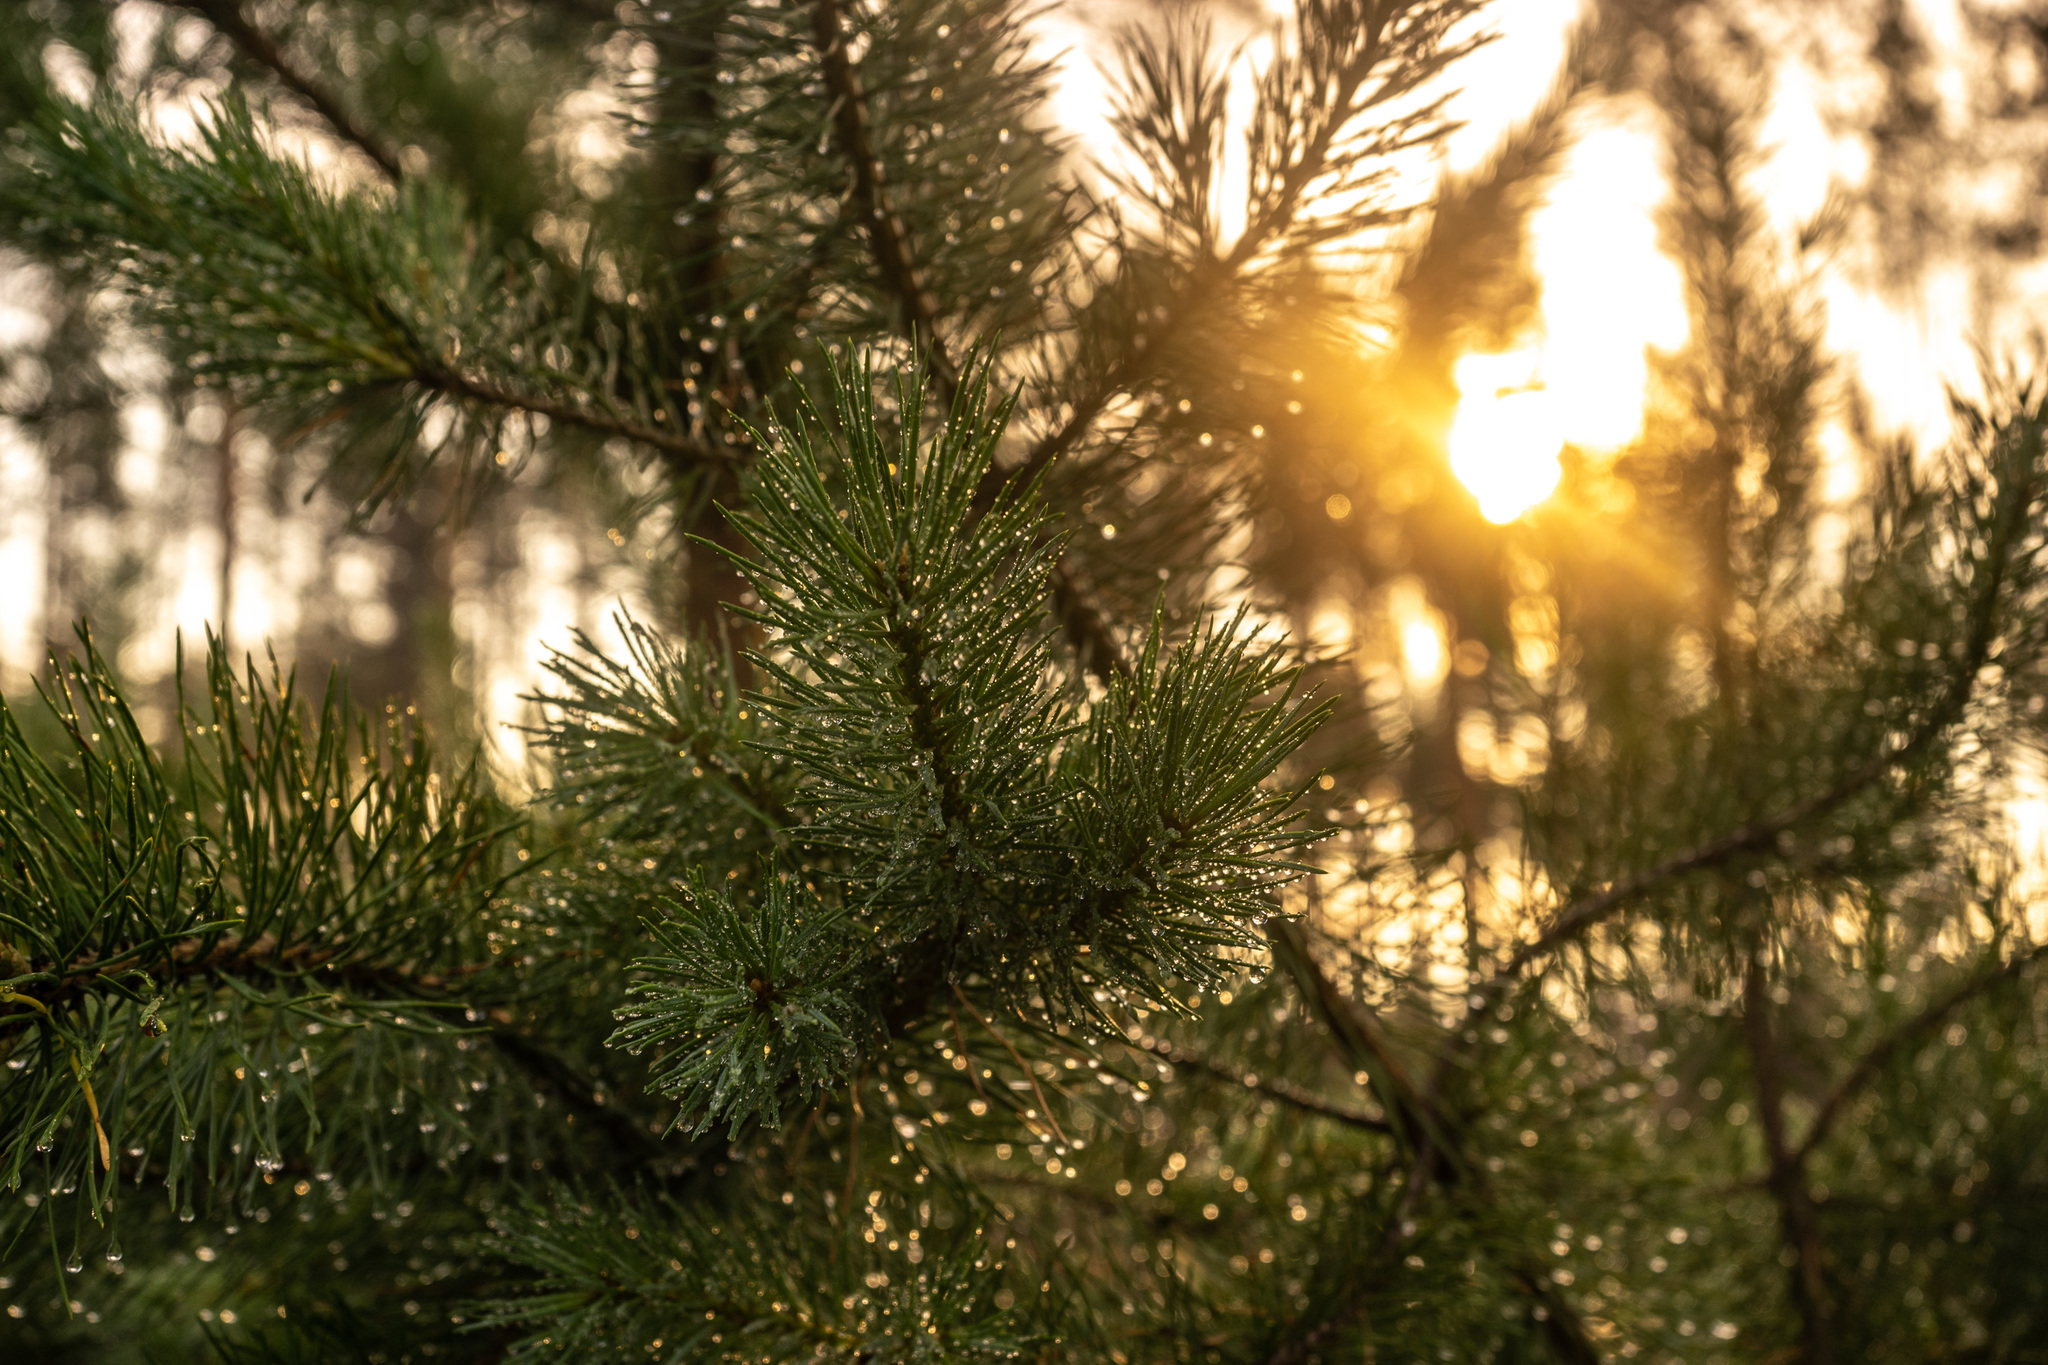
[114, 1254]
[75, 1264]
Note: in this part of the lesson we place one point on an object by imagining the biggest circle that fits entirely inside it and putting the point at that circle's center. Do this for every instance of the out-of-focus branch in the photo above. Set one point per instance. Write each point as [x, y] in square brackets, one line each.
[1286, 1093]
[1873, 1060]
[1086, 631]
[1787, 1179]
[573, 1088]
[1592, 910]
[227, 16]
[1437, 1158]
[1211, 276]
[887, 236]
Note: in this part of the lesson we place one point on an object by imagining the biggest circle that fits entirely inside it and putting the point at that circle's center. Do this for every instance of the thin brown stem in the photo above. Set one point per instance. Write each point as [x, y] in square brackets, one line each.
[1294, 1096]
[990, 1029]
[1356, 1033]
[227, 16]
[1436, 1159]
[572, 1086]
[1087, 632]
[683, 452]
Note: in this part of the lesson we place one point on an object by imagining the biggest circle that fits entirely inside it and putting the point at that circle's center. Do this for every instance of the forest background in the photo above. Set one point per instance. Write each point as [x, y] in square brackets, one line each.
[1908, 131]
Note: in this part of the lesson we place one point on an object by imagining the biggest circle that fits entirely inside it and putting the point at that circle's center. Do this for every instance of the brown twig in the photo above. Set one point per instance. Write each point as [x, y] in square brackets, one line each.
[1436, 1158]
[1286, 1093]
[1414, 1117]
[573, 1087]
[682, 450]
[1087, 632]
[887, 236]
[1043, 1107]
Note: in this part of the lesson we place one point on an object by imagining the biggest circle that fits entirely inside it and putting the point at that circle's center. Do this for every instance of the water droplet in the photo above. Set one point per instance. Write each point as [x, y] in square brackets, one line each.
[75, 1264]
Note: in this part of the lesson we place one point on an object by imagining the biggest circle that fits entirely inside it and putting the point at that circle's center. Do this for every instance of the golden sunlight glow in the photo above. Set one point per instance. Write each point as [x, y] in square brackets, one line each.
[1506, 437]
[1608, 295]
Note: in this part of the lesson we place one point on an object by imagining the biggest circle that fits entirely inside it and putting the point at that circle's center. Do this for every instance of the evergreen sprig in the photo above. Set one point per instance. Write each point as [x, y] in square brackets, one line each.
[914, 691]
[621, 1277]
[967, 831]
[179, 936]
[749, 1005]
[1186, 841]
[663, 741]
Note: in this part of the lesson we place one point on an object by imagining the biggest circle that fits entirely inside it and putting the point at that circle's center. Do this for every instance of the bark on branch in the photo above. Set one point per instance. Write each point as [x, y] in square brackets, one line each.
[682, 453]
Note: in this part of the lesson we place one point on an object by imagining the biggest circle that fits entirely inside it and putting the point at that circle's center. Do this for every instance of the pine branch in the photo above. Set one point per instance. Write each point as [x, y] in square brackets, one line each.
[1351, 62]
[754, 1009]
[886, 234]
[298, 877]
[1202, 288]
[1874, 1059]
[684, 454]
[1087, 631]
[789, 1284]
[571, 1085]
[1797, 1215]
[1286, 1092]
[1434, 1143]
[329, 305]
[896, 263]
[663, 743]
[227, 16]
[2003, 547]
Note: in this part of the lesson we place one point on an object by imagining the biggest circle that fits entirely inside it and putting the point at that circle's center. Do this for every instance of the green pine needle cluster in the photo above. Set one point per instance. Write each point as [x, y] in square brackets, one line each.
[962, 826]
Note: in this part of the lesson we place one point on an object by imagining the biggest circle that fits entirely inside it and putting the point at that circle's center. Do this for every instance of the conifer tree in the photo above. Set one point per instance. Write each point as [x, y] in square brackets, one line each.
[961, 926]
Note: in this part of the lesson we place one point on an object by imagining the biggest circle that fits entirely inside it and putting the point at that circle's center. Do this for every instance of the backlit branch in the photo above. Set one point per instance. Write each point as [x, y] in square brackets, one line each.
[887, 236]
[227, 16]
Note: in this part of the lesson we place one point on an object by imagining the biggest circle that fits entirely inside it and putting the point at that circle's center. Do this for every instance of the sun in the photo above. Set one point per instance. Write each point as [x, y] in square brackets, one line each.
[1507, 436]
[1608, 296]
